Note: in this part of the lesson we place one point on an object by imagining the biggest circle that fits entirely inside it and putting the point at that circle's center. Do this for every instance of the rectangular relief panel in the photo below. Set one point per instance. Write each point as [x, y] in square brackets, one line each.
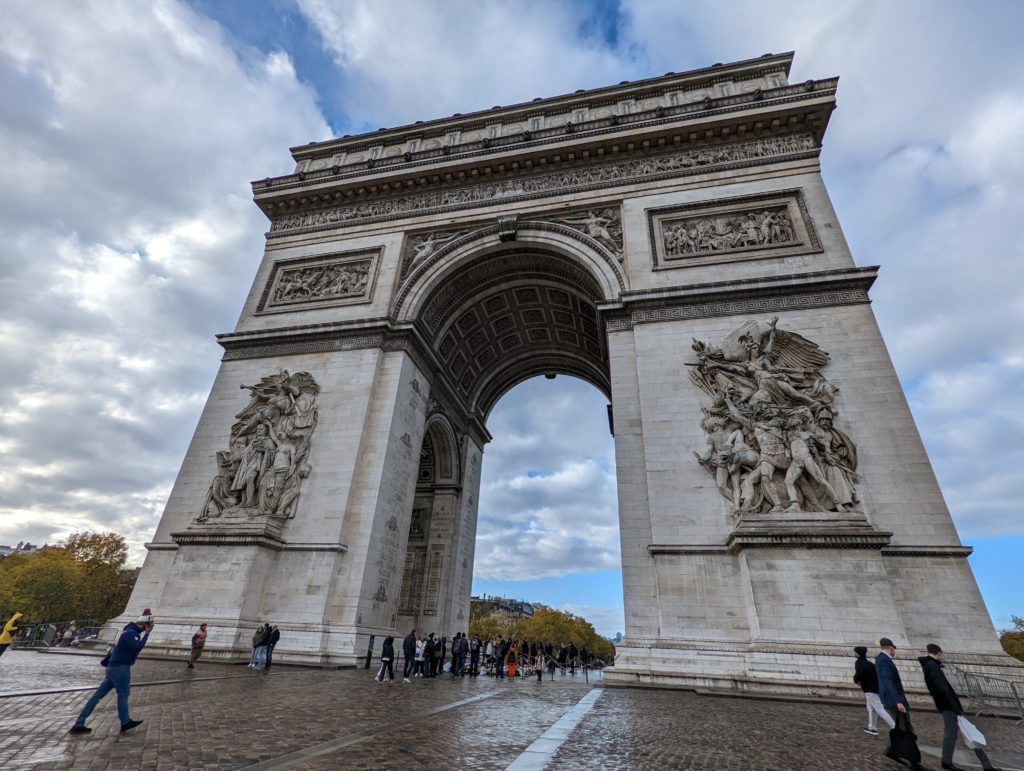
[326, 280]
[727, 230]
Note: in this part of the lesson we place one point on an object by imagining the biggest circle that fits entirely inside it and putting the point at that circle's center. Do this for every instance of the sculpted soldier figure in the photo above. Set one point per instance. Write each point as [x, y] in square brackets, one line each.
[769, 381]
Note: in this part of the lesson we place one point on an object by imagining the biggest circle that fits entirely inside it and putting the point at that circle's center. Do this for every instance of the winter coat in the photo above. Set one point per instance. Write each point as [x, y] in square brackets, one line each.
[275, 635]
[865, 676]
[409, 646]
[388, 653]
[890, 686]
[129, 645]
[939, 687]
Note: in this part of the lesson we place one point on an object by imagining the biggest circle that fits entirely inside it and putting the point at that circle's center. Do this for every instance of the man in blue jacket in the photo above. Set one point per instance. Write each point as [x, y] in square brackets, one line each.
[119, 664]
[890, 690]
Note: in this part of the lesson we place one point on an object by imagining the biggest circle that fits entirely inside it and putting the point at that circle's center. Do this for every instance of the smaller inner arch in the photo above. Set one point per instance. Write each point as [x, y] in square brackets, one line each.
[509, 316]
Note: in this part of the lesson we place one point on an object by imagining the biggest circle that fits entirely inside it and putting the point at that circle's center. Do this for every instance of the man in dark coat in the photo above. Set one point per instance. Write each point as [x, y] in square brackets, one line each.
[119, 663]
[500, 654]
[428, 656]
[948, 705]
[865, 676]
[474, 657]
[409, 653]
[890, 691]
[272, 636]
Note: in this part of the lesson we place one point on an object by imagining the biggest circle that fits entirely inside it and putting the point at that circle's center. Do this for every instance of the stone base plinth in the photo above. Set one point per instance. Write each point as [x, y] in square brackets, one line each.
[772, 667]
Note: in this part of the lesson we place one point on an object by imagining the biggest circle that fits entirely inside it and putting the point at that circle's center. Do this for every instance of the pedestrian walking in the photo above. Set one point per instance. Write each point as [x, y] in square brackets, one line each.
[948, 704]
[119, 663]
[198, 643]
[902, 740]
[865, 676]
[387, 656]
[272, 638]
[538, 663]
[474, 657]
[10, 629]
[409, 652]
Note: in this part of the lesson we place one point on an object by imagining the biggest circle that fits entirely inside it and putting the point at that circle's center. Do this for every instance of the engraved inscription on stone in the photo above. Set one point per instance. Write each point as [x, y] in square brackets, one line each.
[434, 578]
[772, 443]
[261, 473]
[752, 227]
[319, 281]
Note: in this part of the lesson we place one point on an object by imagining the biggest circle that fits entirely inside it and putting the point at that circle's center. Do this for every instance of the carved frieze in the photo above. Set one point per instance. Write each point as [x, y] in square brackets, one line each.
[321, 281]
[260, 474]
[597, 174]
[420, 246]
[772, 443]
[751, 227]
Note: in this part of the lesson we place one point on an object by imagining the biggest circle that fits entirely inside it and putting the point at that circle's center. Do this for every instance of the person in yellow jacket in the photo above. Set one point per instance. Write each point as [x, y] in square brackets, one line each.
[7, 636]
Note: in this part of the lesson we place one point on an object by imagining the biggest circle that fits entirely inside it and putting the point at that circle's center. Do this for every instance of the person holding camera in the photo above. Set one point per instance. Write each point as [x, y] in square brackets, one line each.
[119, 664]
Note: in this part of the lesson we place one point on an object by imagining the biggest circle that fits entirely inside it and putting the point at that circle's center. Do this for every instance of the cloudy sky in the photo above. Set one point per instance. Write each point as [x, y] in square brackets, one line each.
[129, 133]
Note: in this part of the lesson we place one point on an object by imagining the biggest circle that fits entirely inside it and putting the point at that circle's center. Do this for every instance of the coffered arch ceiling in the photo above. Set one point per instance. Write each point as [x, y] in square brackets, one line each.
[512, 315]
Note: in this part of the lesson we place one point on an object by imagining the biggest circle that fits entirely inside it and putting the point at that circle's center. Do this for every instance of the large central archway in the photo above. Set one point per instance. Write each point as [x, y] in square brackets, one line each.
[494, 315]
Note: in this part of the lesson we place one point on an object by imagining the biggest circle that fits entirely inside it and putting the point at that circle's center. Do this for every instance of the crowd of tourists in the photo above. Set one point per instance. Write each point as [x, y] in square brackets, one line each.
[431, 656]
[462, 656]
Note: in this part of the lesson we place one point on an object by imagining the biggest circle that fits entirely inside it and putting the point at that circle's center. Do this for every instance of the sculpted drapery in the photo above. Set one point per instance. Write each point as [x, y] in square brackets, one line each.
[771, 440]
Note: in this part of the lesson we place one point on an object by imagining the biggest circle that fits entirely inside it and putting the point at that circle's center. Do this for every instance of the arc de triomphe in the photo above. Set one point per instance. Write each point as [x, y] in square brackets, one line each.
[669, 241]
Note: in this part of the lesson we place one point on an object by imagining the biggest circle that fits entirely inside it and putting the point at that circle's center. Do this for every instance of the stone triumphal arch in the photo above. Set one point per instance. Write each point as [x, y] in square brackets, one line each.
[669, 241]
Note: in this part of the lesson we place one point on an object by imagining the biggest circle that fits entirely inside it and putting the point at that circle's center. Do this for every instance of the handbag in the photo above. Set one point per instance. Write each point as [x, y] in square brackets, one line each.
[972, 736]
[903, 740]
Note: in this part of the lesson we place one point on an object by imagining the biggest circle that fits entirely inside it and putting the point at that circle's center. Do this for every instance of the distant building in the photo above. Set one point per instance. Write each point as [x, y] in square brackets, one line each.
[483, 605]
[23, 547]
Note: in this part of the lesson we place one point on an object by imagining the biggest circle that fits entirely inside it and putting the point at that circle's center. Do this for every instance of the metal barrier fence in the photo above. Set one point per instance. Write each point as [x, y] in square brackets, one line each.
[987, 692]
[58, 634]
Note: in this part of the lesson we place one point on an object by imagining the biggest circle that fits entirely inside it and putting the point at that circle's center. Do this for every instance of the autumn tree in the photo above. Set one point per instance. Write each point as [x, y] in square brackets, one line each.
[77, 578]
[1013, 639]
[545, 625]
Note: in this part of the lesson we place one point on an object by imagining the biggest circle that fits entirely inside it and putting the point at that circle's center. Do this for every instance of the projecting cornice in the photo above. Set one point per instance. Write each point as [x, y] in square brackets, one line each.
[659, 118]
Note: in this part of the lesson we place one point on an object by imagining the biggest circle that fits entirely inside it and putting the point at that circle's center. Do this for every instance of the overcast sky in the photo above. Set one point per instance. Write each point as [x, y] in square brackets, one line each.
[129, 133]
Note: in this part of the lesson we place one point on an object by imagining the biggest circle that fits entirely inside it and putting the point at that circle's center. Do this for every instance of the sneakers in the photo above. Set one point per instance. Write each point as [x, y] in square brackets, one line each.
[130, 725]
[406, 680]
[871, 731]
[80, 729]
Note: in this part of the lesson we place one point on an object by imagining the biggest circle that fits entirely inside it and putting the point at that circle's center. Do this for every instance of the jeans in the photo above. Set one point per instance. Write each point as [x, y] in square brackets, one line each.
[410, 665]
[876, 710]
[474, 663]
[270, 654]
[118, 678]
[949, 740]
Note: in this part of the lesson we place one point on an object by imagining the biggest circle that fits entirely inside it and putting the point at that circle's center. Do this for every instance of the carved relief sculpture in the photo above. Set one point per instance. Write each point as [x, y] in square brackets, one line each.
[771, 442]
[420, 246]
[728, 232]
[262, 471]
[603, 225]
[300, 285]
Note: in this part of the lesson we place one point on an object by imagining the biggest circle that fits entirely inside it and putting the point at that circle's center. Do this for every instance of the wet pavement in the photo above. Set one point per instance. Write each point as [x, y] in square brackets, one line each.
[226, 717]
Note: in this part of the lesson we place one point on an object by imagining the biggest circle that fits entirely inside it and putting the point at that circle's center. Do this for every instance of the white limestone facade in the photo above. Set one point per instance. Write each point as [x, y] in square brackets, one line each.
[412, 276]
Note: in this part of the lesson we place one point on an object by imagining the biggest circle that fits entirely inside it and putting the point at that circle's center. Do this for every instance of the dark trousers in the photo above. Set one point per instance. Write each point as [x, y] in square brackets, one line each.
[474, 663]
[410, 665]
[3, 647]
[387, 672]
[949, 740]
[270, 655]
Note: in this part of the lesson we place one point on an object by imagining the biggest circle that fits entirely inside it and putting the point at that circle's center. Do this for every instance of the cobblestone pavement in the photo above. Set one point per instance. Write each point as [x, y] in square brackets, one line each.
[227, 717]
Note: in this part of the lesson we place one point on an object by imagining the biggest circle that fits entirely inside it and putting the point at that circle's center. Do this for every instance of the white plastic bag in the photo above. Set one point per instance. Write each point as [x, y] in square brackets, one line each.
[972, 736]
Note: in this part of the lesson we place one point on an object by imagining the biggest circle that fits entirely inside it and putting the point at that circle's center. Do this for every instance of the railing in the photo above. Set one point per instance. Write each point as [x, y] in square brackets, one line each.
[987, 692]
[57, 634]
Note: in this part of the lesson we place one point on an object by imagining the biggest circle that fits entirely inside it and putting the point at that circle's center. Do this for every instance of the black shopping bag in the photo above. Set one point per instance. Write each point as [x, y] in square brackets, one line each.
[903, 740]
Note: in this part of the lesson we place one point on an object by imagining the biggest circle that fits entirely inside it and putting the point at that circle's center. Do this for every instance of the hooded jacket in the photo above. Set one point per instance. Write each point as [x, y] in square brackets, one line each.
[939, 687]
[865, 676]
[10, 628]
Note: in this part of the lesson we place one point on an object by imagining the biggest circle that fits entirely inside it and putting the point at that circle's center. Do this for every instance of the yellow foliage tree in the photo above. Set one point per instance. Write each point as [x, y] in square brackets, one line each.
[78, 578]
[1013, 639]
[545, 625]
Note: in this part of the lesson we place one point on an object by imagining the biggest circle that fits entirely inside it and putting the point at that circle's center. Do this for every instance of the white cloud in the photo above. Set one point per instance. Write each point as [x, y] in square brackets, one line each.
[129, 240]
[606, 619]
